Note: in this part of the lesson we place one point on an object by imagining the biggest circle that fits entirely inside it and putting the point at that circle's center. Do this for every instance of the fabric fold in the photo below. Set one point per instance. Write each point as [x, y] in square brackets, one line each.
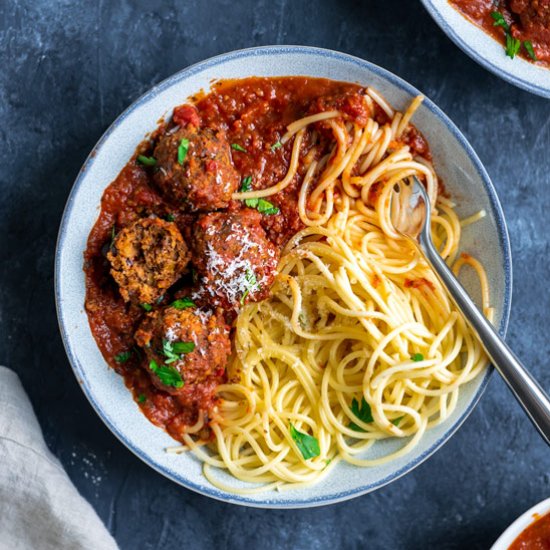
[39, 506]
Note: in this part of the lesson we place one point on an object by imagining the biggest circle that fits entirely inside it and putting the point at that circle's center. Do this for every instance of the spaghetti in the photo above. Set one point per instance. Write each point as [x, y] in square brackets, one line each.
[358, 341]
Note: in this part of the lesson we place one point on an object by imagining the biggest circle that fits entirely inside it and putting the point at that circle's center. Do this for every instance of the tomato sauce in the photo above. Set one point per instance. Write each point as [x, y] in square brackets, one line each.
[254, 113]
[529, 20]
[535, 537]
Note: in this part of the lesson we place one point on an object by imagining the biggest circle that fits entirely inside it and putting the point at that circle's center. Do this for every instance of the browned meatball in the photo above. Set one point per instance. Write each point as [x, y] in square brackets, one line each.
[184, 347]
[147, 257]
[205, 179]
[235, 260]
[534, 16]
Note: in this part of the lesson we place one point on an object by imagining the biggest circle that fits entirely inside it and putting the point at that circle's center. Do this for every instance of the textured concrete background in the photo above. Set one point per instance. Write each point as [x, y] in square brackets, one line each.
[68, 68]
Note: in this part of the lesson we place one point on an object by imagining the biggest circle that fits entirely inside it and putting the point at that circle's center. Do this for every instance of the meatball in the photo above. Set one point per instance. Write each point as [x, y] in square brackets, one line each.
[147, 257]
[184, 347]
[205, 179]
[234, 259]
[534, 16]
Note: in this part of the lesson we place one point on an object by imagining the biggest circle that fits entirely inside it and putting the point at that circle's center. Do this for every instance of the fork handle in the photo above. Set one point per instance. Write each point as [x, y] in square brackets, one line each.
[527, 390]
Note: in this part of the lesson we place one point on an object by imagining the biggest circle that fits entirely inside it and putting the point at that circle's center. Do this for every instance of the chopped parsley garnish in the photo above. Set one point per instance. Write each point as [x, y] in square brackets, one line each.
[142, 398]
[397, 420]
[170, 217]
[251, 284]
[417, 357]
[238, 147]
[500, 21]
[276, 145]
[512, 46]
[174, 350]
[363, 413]
[146, 161]
[123, 357]
[251, 203]
[167, 374]
[263, 206]
[146, 307]
[183, 303]
[307, 444]
[245, 187]
[183, 347]
[182, 150]
[529, 47]
[246, 184]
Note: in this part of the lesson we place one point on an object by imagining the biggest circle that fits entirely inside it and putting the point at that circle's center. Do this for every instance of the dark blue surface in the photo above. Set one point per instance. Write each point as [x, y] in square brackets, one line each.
[68, 69]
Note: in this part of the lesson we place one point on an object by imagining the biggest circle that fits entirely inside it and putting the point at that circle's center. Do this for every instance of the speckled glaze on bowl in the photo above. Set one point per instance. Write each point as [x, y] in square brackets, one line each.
[487, 51]
[457, 163]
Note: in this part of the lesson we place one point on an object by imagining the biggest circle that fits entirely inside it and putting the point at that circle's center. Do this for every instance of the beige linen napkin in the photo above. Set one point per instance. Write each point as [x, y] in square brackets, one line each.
[39, 506]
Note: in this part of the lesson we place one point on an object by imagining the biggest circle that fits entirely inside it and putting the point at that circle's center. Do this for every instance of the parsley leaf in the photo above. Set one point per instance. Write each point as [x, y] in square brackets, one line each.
[245, 187]
[276, 145]
[123, 357]
[512, 46]
[527, 44]
[265, 207]
[142, 398]
[307, 444]
[146, 161]
[174, 350]
[238, 147]
[183, 347]
[146, 307]
[396, 421]
[182, 150]
[500, 21]
[167, 374]
[417, 357]
[183, 303]
[364, 414]
[251, 284]
[246, 184]
[170, 217]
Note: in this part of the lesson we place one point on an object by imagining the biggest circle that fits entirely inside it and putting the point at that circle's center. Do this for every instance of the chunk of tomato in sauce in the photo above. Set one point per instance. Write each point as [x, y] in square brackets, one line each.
[186, 114]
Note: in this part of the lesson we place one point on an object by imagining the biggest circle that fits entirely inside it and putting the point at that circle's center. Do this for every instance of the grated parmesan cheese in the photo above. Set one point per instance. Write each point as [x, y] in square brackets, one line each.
[232, 278]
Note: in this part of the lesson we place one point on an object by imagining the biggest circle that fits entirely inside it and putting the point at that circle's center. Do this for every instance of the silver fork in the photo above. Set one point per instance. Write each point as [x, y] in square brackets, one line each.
[527, 390]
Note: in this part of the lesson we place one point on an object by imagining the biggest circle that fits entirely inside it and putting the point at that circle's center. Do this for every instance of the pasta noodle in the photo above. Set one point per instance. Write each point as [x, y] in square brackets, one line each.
[358, 341]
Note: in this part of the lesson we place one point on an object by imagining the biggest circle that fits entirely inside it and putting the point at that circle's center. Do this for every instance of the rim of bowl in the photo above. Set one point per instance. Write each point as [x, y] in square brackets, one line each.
[484, 61]
[520, 524]
[497, 213]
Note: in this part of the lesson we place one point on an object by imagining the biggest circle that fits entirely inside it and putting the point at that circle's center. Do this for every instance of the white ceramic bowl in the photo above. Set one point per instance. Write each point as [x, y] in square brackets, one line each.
[457, 163]
[487, 51]
[526, 519]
